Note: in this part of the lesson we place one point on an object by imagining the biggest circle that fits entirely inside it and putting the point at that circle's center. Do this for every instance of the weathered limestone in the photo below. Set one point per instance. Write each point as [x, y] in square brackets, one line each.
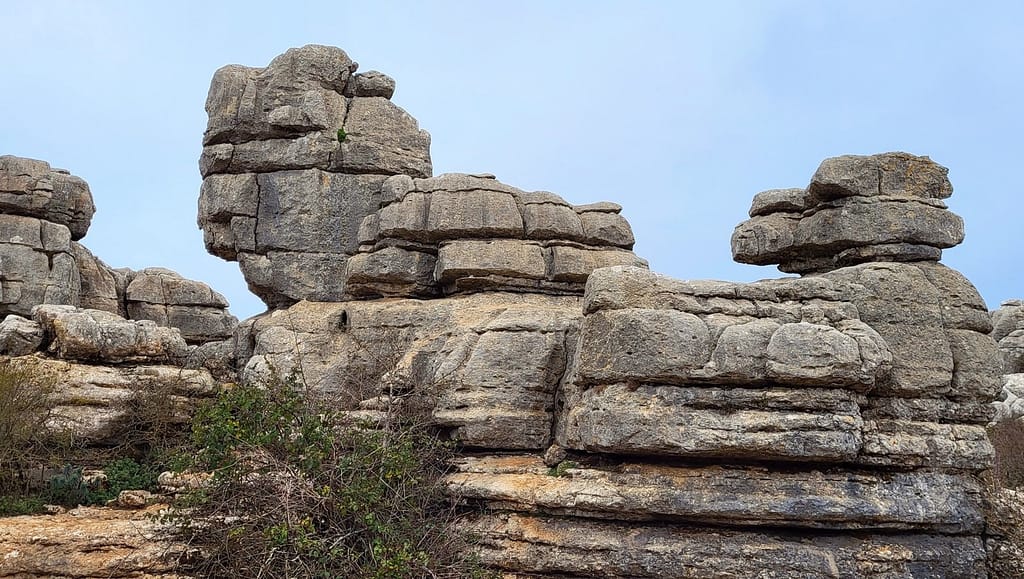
[612, 422]
[169, 300]
[31, 188]
[94, 403]
[857, 209]
[463, 233]
[846, 407]
[453, 353]
[1008, 332]
[90, 542]
[96, 335]
[293, 160]
[43, 212]
[36, 265]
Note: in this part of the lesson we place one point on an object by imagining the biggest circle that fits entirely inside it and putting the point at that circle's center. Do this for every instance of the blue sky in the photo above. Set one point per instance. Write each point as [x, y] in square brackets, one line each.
[680, 111]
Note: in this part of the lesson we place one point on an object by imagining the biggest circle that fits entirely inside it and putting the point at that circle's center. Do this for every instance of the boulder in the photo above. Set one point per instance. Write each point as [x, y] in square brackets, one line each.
[32, 188]
[857, 209]
[168, 299]
[77, 334]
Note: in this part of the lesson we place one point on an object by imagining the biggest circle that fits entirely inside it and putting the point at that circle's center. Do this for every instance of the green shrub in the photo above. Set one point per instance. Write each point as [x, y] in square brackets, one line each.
[68, 488]
[342, 135]
[298, 491]
[24, 411]
[14, 505]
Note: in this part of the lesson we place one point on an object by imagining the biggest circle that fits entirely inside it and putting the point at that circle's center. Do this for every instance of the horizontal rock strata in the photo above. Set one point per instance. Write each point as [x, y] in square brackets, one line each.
[457, 233]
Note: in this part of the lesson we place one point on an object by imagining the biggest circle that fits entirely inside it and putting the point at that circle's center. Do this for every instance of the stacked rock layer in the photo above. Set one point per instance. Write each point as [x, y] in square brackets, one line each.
[44, 212]
[829, 425]
[293, 159]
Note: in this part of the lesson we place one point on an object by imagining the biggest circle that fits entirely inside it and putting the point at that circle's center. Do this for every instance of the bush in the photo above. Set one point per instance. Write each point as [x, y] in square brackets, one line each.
[24, 411]
[299, 491]
[14, 505]
[1008, 441]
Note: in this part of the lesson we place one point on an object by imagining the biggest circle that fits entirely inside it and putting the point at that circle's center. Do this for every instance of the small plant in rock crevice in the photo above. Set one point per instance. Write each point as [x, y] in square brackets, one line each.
[342, 135]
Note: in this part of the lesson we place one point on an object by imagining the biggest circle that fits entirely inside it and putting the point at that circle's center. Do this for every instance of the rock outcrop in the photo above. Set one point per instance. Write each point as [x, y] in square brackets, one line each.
[857, 209]
[824, 422]
[89, 542]
[43, 214]
[612, 421]
[457, 233]
[293, 160]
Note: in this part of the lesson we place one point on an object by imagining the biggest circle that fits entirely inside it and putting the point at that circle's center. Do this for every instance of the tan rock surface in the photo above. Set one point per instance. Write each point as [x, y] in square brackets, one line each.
[88, 543]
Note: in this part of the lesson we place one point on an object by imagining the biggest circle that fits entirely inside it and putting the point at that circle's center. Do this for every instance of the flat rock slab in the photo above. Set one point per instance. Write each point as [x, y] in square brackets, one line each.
[741, 497]
[89, 542]
[572, 547]
[725, 423]
[78, 334]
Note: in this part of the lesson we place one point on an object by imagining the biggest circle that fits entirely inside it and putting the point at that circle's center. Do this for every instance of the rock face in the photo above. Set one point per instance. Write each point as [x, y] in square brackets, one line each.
[613, 422]
[88, 542]
[294, 157]
[456, 233]
[321, 189]
[32, 188]
[857, 209]
[43, 214]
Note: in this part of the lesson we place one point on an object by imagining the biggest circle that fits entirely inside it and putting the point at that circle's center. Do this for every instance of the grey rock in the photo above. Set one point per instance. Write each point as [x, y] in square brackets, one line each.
[904, 443]
[94, 403]
[506, 257]
[857, 209]
[391, 271]
[36, 265]
[574, 547]
[1010, 405]
[473, 214]
[812, 354]
[383, 139]
[649, 345]
[299, 92]
[19, 336]
[876, 175]
[599, 207]
[919, 500]
[102, 287]
[31, 188]
[168, 299]
[600, 228]
[102, 336]
[782, 424]
[551, 221]
[1009, 317]
[371, 84]
[1011, 348]
[575, 264]
[779, 201]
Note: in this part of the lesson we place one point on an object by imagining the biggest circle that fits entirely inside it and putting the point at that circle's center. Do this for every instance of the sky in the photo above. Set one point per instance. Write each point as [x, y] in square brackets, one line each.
[680, 111]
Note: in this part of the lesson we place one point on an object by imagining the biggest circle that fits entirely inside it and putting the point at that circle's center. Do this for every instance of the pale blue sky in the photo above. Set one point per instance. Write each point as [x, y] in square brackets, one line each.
[680, 111]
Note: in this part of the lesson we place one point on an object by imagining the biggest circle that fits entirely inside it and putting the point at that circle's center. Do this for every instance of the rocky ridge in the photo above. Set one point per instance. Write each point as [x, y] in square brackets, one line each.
[613, 422]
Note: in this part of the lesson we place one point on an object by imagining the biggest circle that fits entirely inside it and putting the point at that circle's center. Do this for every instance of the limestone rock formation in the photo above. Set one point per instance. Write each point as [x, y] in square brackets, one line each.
[612, 422]
[455, 233]
[293, 159]
[857, 209]
[321, 189]
[43, 214]
[32, 188]
[1008, 331]
[89, 542]
[166, 298]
